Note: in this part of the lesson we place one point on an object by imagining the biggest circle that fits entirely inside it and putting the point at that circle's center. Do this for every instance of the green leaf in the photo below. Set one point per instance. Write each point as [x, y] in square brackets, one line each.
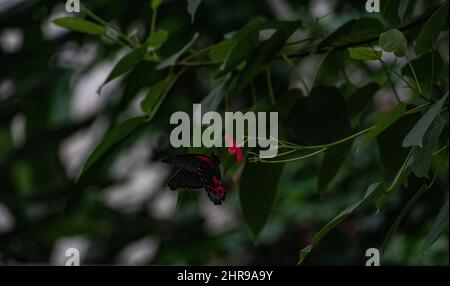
[390, 12]
[429, 69]
[331, 68]
[360, 98]
[415, 136]
[263, 54]
[431, 29]
[243, 44]
[80, 25]
[393, 41]
[438, 228]
[172, 60]
[112, 138]
[212, 101]
[330, 165]
[125, 64]
[286, 103]
[422, 157]
[155, 4]
[400, 179]
[156, 95]
[156, 40]
[352, 31]
[364, 54]
[392, 154]
[387, 121]
[372, 192]
[221, 50]
[257, 192]
[405, 10]
[401, 216]
[192, 8]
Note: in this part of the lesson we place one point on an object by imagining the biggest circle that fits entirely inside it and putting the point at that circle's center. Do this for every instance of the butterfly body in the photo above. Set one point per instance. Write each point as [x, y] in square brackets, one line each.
[198, 171]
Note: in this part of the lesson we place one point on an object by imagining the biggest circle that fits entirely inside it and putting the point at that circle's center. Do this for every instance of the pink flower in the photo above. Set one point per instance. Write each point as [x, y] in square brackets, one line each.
[234, 148]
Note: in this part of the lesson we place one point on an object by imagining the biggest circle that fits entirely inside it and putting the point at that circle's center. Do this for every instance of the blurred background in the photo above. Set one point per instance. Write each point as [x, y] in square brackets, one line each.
[51, 118]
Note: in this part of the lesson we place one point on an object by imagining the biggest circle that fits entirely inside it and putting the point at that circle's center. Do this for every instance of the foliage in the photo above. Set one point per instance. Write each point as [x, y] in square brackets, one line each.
[331, 123]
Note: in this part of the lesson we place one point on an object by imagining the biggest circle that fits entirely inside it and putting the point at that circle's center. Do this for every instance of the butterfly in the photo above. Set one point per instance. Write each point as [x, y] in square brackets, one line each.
[198, 171]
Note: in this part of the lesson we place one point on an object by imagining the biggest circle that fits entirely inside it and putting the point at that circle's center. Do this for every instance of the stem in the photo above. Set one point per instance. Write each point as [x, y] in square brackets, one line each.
[414, 74]
[153, 23]
[383, 64]
[199, 52]
[401, 77]
[295, 147]
[269, 85]
[417, 109]
[304, 53]
[121, 36]
[293, 159]
[293, 67]
[299, 147]
[116, 40]
[299, 41]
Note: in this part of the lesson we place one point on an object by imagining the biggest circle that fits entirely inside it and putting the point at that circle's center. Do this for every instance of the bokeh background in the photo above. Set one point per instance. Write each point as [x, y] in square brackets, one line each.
[51, 118]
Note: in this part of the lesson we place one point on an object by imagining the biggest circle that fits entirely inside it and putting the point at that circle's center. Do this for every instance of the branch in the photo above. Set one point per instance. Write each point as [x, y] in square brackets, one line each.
[301, 54]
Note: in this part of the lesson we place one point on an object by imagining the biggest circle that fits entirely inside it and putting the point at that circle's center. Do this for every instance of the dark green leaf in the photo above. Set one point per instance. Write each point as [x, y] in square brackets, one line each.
[360, 98]
[125, 64]
[80, 25]
[242, 45]
[372, 192]
[330, 165]
[192, 8]
[112, 137]
[364, 54]
[263, 54]
[390, 12]
[422, 157]
[221, 50]
[385, 123]
[155, 4]
[431, 29]
[156, 40]
[393, 41]
[172, 60]
[392, 154]
[401, 178]
[257, 192]
[405, 10]
[353, 31]
[158, 92]
[438, 228]
[331, 69]
[402, 215]
[286, 103]
[415, 136]
[320, 118]
[429, 69]
[212, 101]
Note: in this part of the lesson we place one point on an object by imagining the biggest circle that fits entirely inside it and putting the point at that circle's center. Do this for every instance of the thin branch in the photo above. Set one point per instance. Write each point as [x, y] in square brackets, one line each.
[305, 53]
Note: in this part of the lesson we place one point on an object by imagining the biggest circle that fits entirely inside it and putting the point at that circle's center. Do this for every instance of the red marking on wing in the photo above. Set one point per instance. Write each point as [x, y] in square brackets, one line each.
[217, 189]
[205, 159]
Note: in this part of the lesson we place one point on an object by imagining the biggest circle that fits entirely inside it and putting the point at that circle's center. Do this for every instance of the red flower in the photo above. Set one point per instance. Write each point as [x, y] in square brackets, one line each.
[234, 148]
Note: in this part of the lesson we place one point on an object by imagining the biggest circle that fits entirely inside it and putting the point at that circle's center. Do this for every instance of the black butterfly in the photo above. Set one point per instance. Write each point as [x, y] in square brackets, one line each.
[197, 171]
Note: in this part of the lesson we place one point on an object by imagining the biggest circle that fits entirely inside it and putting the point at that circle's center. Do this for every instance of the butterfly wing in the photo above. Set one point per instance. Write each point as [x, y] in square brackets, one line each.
[185, 179]
[198, 171]
[189, 162]
[213, 185]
